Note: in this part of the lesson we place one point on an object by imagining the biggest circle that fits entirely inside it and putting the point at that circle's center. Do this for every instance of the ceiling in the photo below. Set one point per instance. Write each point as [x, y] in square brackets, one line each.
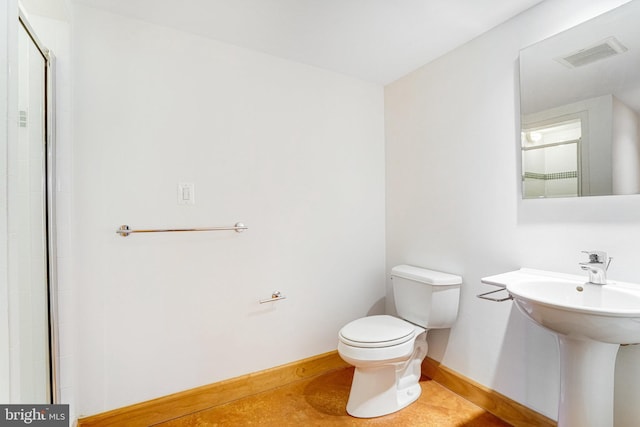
[546, 83]
[373, 40]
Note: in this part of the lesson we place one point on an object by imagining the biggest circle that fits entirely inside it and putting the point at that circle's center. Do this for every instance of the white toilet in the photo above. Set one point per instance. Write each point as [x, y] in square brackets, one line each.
[387, 351]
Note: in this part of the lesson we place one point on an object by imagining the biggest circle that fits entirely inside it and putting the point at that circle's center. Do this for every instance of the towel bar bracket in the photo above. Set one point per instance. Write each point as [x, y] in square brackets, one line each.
[275, 296]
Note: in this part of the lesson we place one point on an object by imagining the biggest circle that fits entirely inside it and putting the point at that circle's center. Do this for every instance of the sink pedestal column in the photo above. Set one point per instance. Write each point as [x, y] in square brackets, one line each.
[586, 382]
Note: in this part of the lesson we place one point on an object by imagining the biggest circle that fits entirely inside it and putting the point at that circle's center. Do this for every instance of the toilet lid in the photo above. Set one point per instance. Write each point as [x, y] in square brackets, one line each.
[377, 331]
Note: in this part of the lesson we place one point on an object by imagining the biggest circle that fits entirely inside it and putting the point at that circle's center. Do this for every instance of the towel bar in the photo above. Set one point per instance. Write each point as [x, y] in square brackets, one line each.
[485, 295]
[125, 230]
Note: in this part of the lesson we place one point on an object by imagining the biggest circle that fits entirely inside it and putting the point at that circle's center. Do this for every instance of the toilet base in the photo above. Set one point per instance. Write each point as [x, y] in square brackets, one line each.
[384, 389]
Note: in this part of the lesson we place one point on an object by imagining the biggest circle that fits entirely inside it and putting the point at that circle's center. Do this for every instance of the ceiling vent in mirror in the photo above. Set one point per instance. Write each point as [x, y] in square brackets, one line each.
[588, 55]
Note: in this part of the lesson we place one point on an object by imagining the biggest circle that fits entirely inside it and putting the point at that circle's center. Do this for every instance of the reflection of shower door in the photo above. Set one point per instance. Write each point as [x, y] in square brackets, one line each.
[551, 160]
[551, 171]
[29, 260]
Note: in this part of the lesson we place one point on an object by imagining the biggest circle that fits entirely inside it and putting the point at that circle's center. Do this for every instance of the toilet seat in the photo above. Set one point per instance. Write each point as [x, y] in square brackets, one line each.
[377, 332]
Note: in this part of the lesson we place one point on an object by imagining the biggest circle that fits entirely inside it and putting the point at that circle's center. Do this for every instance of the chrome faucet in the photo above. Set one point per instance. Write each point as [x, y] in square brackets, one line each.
[597, 267]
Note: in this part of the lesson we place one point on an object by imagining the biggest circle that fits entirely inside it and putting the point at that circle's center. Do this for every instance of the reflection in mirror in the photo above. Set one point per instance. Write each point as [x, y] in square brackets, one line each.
[550, 160]
[580, 109]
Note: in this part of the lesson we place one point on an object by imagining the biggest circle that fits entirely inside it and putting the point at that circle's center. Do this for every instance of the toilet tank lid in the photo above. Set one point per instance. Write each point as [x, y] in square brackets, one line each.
[424, 275]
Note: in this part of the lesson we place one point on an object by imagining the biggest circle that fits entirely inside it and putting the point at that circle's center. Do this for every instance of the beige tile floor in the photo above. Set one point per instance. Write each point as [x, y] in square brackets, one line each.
[322, 400]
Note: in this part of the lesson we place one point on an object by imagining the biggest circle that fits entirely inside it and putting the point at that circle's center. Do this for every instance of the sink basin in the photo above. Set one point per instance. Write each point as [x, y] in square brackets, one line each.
[606, 313]
[590, 321]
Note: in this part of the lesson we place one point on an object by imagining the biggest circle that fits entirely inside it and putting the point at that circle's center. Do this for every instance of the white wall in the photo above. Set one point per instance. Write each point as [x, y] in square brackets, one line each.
[295, 152]
[454, 204]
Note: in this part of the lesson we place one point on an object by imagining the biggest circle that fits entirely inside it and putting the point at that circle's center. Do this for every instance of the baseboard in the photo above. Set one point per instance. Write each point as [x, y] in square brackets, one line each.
[201, 398]
[197, 399]
[489, 400]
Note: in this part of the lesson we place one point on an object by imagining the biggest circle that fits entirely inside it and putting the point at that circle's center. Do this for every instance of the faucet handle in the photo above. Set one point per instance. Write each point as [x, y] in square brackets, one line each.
[597, 257]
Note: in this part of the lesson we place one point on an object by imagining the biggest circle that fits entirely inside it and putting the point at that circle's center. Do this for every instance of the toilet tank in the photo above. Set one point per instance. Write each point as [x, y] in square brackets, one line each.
[425, 297]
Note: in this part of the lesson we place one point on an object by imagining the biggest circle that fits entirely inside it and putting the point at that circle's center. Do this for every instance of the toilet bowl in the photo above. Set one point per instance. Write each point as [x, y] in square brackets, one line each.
[387, 364]
[387, 351]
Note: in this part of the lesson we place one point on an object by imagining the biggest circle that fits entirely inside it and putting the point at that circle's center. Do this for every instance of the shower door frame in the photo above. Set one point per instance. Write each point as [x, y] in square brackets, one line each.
[50, 214]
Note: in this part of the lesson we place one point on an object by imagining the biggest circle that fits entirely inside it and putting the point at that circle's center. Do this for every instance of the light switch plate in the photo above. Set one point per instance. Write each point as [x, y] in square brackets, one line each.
[186, 193]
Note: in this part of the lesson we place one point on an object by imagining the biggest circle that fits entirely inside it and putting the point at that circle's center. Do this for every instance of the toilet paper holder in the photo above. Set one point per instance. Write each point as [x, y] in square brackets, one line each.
[275, 296]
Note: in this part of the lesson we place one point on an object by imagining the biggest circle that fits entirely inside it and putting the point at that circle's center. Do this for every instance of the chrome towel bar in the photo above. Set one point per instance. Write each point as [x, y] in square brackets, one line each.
[125, 230]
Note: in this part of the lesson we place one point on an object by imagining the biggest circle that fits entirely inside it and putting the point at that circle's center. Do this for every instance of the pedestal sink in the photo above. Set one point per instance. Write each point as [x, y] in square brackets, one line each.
[590, 321]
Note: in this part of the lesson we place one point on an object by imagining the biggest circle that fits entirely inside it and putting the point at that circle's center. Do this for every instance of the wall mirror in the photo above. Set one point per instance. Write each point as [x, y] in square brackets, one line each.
[580, 109]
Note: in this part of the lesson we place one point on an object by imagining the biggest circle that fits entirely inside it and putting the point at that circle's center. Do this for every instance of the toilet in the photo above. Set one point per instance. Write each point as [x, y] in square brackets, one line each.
[387, 351]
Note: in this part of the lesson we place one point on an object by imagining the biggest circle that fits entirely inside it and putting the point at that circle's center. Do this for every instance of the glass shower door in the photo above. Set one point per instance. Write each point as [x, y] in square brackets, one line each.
[30, 359]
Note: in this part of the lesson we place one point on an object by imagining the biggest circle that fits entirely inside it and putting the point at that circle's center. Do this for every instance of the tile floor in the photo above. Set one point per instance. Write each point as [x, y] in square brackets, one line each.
[321, 401]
